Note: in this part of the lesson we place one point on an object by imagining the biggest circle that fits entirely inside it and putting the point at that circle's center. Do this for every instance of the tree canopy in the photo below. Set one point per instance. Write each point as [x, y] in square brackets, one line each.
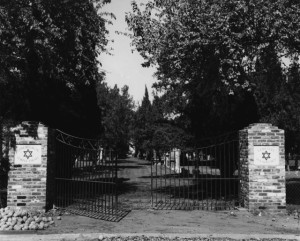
[48, 61]
[185, 38]
[221, 64]
[153, 130]
[142, 126]
[117, 114]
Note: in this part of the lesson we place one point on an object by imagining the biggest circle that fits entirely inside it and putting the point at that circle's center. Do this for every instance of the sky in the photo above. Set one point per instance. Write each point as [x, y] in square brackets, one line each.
[124, 67]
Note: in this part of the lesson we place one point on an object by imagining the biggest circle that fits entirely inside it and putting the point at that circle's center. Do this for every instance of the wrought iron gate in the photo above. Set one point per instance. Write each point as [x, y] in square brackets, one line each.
[204, 178]
[86, 178]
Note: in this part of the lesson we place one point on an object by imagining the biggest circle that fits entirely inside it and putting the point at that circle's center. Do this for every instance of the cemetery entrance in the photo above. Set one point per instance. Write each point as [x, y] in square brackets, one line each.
[86, 178]
[92, 181]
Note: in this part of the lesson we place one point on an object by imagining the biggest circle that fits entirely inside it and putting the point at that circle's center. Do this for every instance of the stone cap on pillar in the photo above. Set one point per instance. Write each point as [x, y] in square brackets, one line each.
[29, 129]
[263, 127]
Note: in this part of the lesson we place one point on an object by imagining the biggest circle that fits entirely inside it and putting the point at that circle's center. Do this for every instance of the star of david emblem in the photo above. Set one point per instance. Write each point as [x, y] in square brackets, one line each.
[266, 155]
[27, 154]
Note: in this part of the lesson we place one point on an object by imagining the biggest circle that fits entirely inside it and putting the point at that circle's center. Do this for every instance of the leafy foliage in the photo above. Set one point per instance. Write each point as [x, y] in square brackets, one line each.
[184, 38]
[48, 61]
[117, 113]
[142, 128]
[220, 63]
[153, 130]
[277, 96]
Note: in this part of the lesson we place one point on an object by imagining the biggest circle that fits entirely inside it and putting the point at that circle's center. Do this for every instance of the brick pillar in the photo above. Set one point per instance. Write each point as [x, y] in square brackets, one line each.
[262, 167]
[28, 157]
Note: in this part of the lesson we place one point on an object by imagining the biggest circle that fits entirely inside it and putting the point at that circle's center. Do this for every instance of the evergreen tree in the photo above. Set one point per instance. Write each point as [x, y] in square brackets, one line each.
[143, 126]
[117, 111]
[155, 130]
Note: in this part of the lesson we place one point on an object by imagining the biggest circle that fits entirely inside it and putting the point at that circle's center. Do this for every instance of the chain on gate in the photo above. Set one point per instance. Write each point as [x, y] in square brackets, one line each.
[86, 178]
[205, 178]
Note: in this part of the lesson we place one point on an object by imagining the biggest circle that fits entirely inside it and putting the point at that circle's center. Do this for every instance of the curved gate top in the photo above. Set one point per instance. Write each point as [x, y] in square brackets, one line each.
[86, 178]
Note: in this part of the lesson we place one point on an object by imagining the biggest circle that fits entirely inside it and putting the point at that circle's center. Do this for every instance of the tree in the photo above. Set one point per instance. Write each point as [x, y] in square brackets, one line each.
[220, 63]
[48, 61]
[169, 130]
[154, 130]
[207, 53]
[187, 38]
[291, 93]
[142, 126]
[117, 113]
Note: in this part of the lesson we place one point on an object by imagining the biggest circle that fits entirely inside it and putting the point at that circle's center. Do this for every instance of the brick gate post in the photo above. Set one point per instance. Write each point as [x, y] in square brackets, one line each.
[262, 168]
[30, 179]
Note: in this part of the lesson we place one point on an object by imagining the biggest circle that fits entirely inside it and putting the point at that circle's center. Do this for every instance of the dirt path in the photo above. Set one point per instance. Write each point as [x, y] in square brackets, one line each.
[180, 222]
[135, 184]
